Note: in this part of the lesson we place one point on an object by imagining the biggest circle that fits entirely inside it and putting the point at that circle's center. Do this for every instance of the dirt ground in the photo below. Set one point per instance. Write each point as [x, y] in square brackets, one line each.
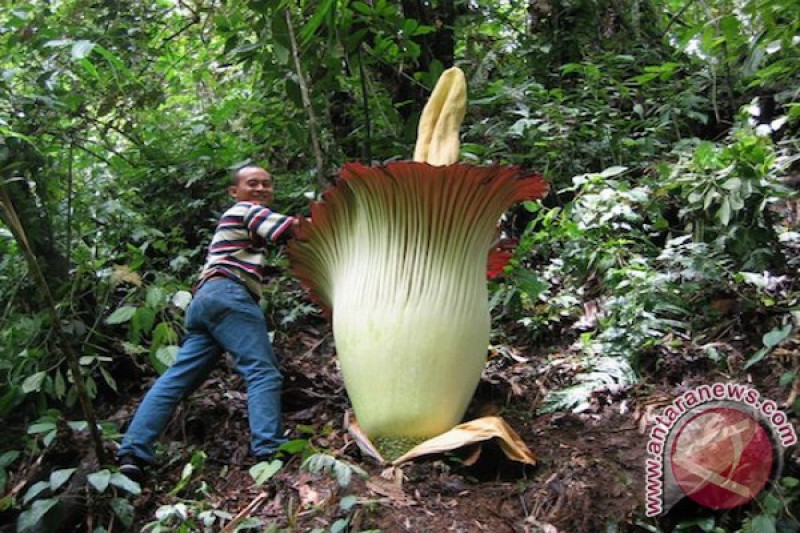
[590, 474]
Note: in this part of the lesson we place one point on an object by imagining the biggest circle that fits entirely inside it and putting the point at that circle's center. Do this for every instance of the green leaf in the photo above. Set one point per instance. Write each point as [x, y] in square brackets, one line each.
[81, 49]
[123, 509]
[724, 213]
[340, 525]
[529, 283]
[99, 480]
[33, 383]
[164, 358]
[613, 171]
[59, 385]
[121, 315]
[59, 477]
[142, 322]
[125, 483]
[8, 458]
[89, 68]
[776, 336]
[763, 524]
[41, 427]
[732, 184]
[29, 520]
[758, 356]
[787, 378]
[790, 482]
[320, 13]
[155, 297]
[109, 379]
[348, 502]
[263, 471]
[34, 490]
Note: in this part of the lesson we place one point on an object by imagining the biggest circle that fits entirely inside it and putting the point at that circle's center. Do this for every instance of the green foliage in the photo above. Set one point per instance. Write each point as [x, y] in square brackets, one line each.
[667, 129]
[155, 321]
[42, 499]
[342, 471]
[725, 192]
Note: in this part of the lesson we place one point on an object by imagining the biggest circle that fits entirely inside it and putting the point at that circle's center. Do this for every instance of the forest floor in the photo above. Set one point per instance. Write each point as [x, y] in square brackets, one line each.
[590, 474]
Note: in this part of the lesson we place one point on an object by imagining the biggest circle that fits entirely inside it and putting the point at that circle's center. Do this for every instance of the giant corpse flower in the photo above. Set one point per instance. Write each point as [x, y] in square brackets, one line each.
[398, 255]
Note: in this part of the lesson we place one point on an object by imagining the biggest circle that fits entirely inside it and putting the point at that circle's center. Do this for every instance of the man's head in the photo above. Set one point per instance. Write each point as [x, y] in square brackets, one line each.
[252, 184]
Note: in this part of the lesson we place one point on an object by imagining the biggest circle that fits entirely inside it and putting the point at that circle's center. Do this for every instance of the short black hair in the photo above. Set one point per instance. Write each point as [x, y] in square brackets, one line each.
[235, 173]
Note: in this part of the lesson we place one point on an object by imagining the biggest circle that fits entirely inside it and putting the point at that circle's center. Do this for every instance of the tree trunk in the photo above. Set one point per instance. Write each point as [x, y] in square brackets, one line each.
[25, 192]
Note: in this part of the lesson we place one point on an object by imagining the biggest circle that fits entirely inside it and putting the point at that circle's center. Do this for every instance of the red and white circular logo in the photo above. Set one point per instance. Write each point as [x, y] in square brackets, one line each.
[721, 457]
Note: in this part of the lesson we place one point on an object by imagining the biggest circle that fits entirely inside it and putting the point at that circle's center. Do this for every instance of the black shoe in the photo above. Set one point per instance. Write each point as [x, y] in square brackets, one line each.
[269, 456]
[132, 467]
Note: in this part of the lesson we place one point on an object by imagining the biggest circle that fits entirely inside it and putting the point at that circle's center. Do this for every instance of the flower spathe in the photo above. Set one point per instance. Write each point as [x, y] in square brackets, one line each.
[398, 255]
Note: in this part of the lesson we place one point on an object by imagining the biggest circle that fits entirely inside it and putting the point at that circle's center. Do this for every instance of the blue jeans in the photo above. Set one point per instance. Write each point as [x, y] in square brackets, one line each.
[222, 316]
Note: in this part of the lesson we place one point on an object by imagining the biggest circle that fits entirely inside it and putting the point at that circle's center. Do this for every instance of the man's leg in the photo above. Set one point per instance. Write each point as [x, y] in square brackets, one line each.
[242, 332]
[196, 358]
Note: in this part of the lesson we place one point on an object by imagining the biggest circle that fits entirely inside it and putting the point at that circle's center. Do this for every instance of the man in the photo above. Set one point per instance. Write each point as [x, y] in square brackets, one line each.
[224, 316]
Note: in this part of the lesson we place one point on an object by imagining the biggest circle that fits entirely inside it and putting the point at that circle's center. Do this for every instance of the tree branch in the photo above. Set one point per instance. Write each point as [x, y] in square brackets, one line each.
[312, 119]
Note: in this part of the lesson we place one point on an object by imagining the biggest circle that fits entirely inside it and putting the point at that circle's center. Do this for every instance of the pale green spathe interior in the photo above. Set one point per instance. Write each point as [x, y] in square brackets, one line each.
[398, 253]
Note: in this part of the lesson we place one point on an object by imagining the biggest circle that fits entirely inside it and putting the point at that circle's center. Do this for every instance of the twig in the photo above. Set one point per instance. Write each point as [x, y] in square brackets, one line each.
[312, 119]
[365, 104]
[675, 17]
[246, 512]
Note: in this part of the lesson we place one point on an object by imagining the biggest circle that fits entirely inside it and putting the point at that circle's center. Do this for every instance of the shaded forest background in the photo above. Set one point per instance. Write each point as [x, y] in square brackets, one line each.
[668, 246]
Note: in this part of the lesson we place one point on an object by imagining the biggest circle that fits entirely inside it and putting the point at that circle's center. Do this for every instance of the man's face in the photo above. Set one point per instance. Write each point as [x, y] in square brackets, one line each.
[254, 185]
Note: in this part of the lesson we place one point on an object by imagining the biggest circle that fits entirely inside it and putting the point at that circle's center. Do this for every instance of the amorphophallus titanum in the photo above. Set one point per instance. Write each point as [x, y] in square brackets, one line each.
[398, 254]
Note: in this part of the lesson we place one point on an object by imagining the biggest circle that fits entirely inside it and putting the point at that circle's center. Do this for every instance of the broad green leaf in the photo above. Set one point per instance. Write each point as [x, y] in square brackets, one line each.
[109, 379]
[163, 333]
[99, 480]
[81, 49]
[263, 472]
[164, 358]
[125, 483]
[49, 438]
[763, 524]
[8, 458]
[121, 315]
[348, 502]
[790, 482]
[732, 184]
[142, 322]
[41, 427]
[155, 297]
[340, 525]
[34, 490]
[613, 171]
[182, 299]
[33, 383]
[776, 336]
[29, 520]
[59, 477]
[123, 509]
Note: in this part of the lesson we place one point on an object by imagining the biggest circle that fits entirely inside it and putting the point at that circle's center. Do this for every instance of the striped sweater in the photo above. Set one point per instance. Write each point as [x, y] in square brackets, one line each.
[237, 248]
